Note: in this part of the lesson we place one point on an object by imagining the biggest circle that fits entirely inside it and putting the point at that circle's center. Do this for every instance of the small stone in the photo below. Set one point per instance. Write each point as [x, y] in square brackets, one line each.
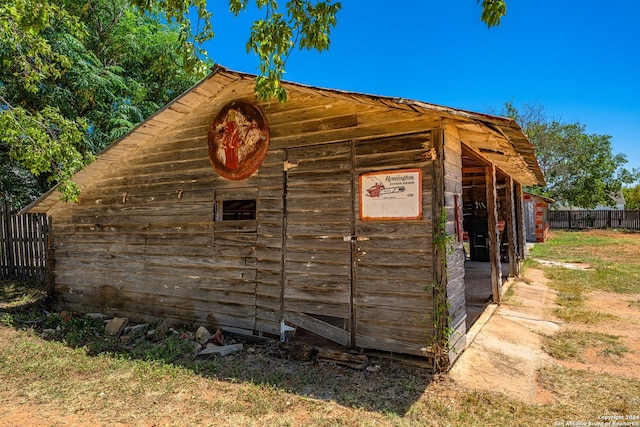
[115, 326]
[125, 339]
[373, 368]
[138, 329]
[48, 333]
[218, 338]
[202, 335]
[197, 348]
[212, 350]
[96, 316]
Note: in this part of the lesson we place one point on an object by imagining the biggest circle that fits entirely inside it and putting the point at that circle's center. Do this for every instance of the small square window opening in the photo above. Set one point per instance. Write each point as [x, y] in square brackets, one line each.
[235, 210]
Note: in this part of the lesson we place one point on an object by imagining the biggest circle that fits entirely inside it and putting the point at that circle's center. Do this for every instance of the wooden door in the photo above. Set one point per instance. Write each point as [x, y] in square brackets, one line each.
[393, 258]
[357, 282]
[318, 248]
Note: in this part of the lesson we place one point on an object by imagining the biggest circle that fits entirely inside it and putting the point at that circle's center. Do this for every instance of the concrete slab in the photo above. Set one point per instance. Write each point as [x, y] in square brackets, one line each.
[505, 350]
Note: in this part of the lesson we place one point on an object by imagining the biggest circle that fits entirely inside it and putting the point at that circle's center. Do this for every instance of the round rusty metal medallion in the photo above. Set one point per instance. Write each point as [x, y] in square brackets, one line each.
[238, 140]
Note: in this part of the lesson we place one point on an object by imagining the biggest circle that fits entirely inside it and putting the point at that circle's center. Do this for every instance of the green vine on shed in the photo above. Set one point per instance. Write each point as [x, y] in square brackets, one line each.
[443, 332]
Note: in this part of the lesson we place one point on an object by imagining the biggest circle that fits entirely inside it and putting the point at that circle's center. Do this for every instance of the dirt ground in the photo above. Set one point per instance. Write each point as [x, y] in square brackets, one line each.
[504, 355]
[507, 350]
[626, 325]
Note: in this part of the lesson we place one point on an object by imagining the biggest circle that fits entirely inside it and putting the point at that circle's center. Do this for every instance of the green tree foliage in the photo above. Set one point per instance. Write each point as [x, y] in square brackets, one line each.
[632, 197]
[493, 11]
[77, 74]
[302, 24]
[580, 169]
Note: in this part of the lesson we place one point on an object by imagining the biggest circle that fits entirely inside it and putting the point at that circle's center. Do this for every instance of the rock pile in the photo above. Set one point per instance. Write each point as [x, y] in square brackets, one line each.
[205, 344]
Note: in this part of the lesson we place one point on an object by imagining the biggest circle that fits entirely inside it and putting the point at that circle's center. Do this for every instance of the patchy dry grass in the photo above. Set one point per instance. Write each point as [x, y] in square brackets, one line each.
[85, 382]
[15, 295]
[47, 377]
[615, 267]
[571, 344]
[586, 396]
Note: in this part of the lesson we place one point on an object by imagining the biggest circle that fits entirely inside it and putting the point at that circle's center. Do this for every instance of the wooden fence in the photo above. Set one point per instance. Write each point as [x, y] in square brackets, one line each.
[24, 246]
[573, 220]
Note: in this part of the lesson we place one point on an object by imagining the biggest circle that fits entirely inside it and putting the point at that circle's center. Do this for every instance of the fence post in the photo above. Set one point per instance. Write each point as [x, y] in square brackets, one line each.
[570, 225]
[49, 253]
[8, 243]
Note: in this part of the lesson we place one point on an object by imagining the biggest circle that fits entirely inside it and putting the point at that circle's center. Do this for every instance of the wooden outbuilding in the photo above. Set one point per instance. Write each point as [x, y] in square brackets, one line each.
[336, 215]
[536, 215]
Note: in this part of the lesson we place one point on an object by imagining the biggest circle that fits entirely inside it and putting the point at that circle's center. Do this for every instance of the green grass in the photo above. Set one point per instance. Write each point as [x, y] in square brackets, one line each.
[107, 390]
[614, 267]
[584, 396]
[571, 344]
[16, 295]
[75, 379]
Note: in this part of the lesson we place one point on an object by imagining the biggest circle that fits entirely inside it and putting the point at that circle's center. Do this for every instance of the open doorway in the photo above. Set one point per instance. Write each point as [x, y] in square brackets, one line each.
[478, 269]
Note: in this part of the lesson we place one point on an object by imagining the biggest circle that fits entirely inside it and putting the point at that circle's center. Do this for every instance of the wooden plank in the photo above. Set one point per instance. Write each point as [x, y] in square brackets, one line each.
[320, 308]
[394, 229]
[151, 303]
[401, 242]
[371, 255]
[304, 109]
[340, 191]
[417, 301]
[381, 123]
[318, 327]
[314, 125]
[230, 269]
[411, 159]
[319, 242]
[510, 227]
[390, 345]
[327, 290]
[398, 271]
[420, 142]
[416, 285]
[353, 361]
[492, 220]
[408, 334]
[520, 224]
[395, 317]
[95, 288]
[320, 231]
[312, 258]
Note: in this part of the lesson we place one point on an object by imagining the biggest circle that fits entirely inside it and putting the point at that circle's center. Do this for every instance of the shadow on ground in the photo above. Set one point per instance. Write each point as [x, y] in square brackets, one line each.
[386, 386]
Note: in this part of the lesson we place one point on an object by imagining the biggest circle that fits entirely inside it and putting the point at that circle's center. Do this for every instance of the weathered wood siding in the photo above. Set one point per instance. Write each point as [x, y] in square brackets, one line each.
[393, 299]
[319, 214]
[142, 242]
[455, 259]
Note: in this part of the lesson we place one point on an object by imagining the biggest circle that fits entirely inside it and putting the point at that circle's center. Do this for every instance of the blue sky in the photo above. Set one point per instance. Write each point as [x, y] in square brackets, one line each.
[580, 59]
